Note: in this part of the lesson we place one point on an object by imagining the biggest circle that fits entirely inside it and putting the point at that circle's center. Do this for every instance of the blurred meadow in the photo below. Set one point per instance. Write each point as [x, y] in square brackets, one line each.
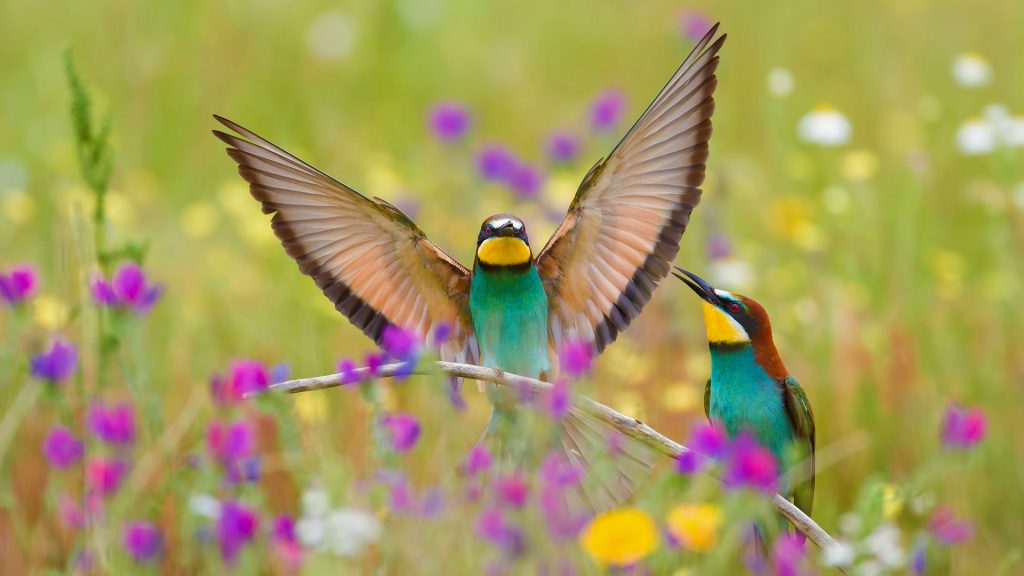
[865, 184]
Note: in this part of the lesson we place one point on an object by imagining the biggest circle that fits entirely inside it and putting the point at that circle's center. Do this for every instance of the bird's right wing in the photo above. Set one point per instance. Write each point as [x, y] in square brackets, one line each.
[802, 418]
[376, 266]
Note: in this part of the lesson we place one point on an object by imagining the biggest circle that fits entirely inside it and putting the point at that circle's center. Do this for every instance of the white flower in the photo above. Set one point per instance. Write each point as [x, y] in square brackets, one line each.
[349, 531]
[870, 568]
[825, 126]
[204, 505]
[850, 524]
[884, 544]
[310, 532]
[841, 554]
[976, 137]
[971, 70]
[315, 502]
[1013, 132]
[732, 272]
[331, 36]
[780, 82]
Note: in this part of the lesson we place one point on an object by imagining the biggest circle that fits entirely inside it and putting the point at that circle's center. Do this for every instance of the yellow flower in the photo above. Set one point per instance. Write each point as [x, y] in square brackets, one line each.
[49, 312]
[620, 537]
[18, 207]
[892, 501]
[695, 525]
[311, 408]
[859, 165]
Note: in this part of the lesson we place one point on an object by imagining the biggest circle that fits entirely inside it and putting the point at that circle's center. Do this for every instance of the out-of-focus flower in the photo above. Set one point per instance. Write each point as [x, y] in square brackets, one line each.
[825, 126]
[403, 430]
[526, 181]
[343, 532]
[1013, 132]
[230, 442]
[373, 364]
[620, 537]
[707, 441]
[559, 400]
[70, 513]
[963, 428]
[788, 555]
[947, 528]
[976, 137]
[607, 109]
[719, 246]
[477, 460]
[18, 284]
[557, 471]
[442, 332]
[347, 369]
[284, 542]
[575, 357]
[400, 344]
[492, 526]
[562, 146]
[112, 424]
[61, 448]
[840, 554]
[103, 476]
[892, 501]
[311, 408]
[512, 489]
[57, 363]
[732, 272]
[496, 163]
[331, 36]
[884, 544]
[236, 527]
[449, 121]
[859, 165]
[695, 526]
[243, 377]
[204, 505]
[128, 288]
[751, 465]
[279, 372]
[142, 541]
[780, 82]
[971, 70]
[694, 24]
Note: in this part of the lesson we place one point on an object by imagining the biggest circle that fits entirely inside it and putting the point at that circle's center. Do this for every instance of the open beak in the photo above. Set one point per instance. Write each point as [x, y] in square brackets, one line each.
[698, 285]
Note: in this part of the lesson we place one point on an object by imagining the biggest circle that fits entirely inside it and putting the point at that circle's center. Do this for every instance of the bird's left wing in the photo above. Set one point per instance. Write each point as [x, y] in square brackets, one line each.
[624, 225]
[368, 258]
[802, 418]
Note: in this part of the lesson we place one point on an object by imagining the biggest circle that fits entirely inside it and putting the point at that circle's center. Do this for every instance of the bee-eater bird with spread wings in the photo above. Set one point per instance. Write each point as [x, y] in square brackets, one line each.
[750, 388]
[512, 311]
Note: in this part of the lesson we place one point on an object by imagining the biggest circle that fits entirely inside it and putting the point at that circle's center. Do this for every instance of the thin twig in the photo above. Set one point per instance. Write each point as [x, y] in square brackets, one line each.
[628, 426]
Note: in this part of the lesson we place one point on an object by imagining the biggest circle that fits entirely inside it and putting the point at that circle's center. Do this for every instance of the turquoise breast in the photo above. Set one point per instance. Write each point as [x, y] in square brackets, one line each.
[510, 317]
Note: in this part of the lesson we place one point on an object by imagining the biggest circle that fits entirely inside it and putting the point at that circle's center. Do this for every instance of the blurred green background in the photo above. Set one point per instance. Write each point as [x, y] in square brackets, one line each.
[891, 264]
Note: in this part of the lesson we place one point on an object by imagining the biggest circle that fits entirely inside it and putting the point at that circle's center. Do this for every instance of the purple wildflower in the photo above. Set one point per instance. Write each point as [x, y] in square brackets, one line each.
[70, 513]
[142, 540]
[719, 246]
[575, 357]
[104, 475]
[403, 430]
[963, 428]
[347, 369]
[442, 332]
[947, 528]
[562, 146]
[559, 517]
[751, 465]
[373, 364]
[526, 181]
[236, 526]
[689, 462]
[399, 343]
[788, 555]
[247, 376]
[478, 460]
[710, 439]
[244, 470]
[57, 364]
[128, 288]
[496, 163]
[694, 24]
[557, 471]
[61, 448]
[449, 121]
[18, 284]
[919, 559]
[112, 424]
[559, 400]
[286, 546]
[492, 526]
[230, 442]
[607, 109]
[279, 372]
[512, 490]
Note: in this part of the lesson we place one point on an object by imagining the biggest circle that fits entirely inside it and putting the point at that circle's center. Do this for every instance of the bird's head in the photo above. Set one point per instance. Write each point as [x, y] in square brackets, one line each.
[730, 319]
[503, 242]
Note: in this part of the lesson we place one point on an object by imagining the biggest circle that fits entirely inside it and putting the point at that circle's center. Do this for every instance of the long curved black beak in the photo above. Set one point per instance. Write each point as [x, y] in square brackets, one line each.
[698, 285]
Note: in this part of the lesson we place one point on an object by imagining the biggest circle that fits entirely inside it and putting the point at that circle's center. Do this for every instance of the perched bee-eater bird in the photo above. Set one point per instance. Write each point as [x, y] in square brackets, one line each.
[750, 388]
[512, 310]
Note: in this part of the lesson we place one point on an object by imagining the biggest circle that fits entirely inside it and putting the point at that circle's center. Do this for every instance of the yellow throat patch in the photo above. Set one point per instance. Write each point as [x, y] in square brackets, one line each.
[723, 328]
[503, 251]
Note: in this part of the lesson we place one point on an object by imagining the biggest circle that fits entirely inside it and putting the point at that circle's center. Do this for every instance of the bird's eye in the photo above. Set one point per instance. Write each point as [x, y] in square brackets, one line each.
[733, 306]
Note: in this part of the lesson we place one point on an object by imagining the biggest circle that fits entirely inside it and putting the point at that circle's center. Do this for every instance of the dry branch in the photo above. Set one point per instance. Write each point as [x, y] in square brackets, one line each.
[629, 426]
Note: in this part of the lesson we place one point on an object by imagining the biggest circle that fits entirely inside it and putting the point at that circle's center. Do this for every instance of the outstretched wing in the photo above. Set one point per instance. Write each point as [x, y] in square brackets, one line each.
[370, 259]
[802, 418]
[624, 225]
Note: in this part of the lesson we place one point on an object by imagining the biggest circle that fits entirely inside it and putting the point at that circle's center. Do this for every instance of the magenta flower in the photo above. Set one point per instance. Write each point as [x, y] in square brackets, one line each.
[236, 527]
[18, 284]
[694, 24]
[750, 465]
[607, 109]
[399, 343]
[61, 448]
[492, 527]
[243, 377]
[575, 357]
[103, 476]
[478, 460]
[142, 541]
[562, 522]
[512, 490]
[128, 288]
[442, 332]
[449, 121]
[719, 246]
[947, 528]
[557, 471]
[285, 545]
[562, 146]
[559, 400]
[347, 369]
[70, 513]
[403, 430]
[112, 424]
[57, 364]
[788, 555]
[526, 181]
[373, 364]
[230, 442]
[496, 163]
[963, 428]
